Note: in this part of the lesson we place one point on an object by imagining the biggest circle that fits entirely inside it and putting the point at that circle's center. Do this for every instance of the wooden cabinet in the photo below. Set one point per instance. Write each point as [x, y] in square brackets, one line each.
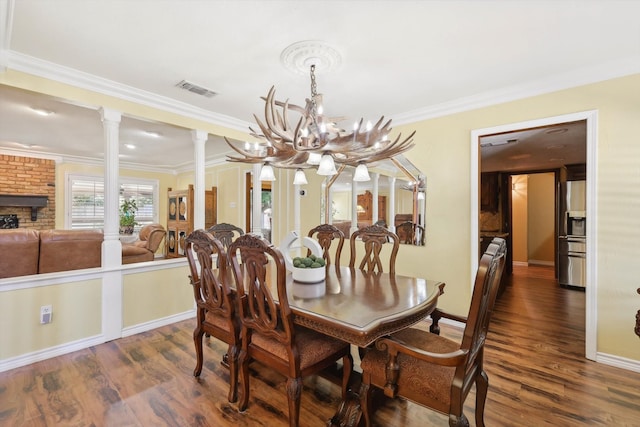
[489, 191]
[179, 221]
[210, 207]
[365, 207]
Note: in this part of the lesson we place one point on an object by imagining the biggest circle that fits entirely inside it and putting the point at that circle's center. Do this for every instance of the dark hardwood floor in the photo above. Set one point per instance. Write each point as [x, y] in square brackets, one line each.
[534, 358]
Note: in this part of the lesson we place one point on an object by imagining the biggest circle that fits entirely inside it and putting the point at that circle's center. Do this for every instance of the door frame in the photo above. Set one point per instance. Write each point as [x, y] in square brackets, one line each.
[591, 294]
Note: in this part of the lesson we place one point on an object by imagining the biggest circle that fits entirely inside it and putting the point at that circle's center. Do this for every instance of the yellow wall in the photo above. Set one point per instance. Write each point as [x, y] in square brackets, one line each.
[519, 218]
[77, 314]
[155, 295]
[541, 218]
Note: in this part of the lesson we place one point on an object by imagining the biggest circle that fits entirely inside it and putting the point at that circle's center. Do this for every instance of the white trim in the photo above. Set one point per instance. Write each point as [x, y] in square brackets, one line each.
[591, 117]
[618, 362]
[154, 324]
[49, 70]
[48, 353]
[584, 76]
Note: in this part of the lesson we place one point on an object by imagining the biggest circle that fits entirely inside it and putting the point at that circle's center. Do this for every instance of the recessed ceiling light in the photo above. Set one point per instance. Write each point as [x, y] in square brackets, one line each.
[41, 111]
[130, 146]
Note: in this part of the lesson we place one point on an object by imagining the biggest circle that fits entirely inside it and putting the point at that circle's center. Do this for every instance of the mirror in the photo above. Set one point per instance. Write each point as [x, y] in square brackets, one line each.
[400, 206]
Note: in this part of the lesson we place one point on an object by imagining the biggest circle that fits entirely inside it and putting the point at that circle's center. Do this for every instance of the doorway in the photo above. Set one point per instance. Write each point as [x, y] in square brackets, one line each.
[590, 143]
[266, 206]
[533, 219]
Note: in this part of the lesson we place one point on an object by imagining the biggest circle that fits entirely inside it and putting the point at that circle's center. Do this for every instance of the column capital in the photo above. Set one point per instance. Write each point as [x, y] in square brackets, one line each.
[109, 115]
[199, 135]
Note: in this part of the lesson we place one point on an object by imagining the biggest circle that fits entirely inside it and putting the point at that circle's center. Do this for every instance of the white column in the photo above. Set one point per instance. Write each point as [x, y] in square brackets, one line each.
[111, 125]
[256, 211]
[391, 207]
[374, 208]
[354, 206]
[199, 138]
[111, 246]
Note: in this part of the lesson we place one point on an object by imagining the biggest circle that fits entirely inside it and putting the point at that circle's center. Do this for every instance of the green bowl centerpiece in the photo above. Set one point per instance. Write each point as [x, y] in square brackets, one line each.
[308, 269]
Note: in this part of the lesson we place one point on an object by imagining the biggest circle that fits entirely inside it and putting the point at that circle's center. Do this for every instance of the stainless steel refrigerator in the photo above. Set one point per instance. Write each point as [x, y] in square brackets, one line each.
[572, 238]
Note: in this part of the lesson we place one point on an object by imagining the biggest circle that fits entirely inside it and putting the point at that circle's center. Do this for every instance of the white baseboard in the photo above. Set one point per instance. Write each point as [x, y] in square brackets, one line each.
[48, 353]
[147, 326]
[618, 362]
[59, 350]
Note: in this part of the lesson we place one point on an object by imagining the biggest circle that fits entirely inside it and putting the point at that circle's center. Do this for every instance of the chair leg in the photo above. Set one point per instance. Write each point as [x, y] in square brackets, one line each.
[347, 369]
[366, 392]
[460, 421]
[233, 373]
[294, 390]
[197, 339]
[482, 386]
[243, 364]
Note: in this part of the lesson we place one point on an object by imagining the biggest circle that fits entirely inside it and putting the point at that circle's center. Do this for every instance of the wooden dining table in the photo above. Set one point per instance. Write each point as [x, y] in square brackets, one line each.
[359, 308]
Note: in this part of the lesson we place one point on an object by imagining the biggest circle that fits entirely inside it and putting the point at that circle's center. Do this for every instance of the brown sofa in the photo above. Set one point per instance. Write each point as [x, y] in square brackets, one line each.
[26, 251]
[63, 250]
[20, 249]
[145, 247]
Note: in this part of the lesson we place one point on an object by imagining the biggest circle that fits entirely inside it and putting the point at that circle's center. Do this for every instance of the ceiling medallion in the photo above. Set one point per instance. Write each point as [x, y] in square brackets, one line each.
[298, 57]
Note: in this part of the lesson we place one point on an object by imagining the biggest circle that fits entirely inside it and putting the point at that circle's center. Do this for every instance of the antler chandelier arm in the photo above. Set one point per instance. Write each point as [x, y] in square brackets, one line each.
[290, 147]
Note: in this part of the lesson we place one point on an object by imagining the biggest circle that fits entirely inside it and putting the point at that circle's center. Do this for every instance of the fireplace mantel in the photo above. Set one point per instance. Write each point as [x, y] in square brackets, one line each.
[25, 200]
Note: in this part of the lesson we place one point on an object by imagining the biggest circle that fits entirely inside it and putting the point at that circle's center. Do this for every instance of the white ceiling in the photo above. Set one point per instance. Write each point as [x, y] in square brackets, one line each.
[406, 60]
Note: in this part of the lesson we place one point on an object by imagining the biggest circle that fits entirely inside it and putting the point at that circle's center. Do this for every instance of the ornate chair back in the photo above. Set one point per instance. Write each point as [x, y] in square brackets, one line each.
[215, 302]
[226, 233]
[374, 237]
[410, 233]
[268, 331]
[326, 234]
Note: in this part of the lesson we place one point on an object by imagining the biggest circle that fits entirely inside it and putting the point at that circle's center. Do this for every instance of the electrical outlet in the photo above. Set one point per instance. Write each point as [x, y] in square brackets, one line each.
[46, 311]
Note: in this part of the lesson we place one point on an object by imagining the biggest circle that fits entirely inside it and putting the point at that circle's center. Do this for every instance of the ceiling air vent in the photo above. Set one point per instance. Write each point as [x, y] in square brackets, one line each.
[191, 87]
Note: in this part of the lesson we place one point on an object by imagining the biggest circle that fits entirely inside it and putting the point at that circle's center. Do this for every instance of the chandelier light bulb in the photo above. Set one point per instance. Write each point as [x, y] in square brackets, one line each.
[327, 166]
[300, 178]
[362, 173]
[247, 146]
[369, 125]
[266, 173]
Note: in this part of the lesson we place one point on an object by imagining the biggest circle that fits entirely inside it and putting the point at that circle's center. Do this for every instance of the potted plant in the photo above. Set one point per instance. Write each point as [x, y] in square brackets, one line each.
[308, 269]
[128, 210]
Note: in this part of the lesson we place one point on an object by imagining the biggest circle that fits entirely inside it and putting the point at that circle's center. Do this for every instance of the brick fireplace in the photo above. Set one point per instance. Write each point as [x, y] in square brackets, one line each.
[28, 176]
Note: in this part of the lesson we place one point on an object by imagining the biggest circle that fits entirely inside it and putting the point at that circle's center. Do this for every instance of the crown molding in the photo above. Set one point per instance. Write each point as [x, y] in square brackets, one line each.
[580, 77]
[45, 69]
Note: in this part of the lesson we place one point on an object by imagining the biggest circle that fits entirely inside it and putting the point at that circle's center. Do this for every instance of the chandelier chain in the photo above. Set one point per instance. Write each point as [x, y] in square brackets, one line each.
[314, 92]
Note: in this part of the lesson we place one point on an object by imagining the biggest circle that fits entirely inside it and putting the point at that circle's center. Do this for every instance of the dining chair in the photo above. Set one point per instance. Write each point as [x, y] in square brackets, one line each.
[374, 237]
[325, 234]
[434, 371]
[268, 332]
[410, 233]
[215, 302]
[225, 232]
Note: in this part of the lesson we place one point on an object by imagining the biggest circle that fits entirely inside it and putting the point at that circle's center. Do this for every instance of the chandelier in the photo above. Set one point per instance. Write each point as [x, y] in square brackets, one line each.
[316, 141]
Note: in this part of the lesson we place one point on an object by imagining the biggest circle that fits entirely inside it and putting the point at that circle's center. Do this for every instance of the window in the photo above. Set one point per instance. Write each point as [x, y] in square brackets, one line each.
[85, 206]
